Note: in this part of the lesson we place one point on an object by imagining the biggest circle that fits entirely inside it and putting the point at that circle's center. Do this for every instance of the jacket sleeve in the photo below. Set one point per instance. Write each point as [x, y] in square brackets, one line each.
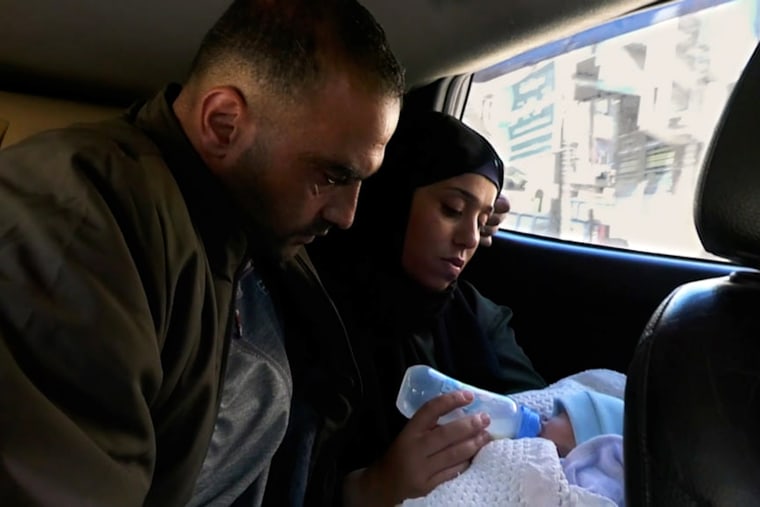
[79, 359]
[515, 365]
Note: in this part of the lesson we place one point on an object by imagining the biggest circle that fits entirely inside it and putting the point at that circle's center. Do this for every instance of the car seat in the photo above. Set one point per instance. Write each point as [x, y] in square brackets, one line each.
[692, 415]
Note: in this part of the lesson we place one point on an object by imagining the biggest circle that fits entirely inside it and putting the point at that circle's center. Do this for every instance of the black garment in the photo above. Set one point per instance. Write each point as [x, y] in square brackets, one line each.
[393, 323]
[326, 388]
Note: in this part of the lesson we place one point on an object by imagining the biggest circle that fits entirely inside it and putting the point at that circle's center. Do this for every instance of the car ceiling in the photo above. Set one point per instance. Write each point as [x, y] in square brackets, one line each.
[105, 51]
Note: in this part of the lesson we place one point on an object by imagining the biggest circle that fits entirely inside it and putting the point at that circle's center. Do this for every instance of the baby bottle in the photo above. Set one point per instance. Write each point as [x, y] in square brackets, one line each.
[508, 418]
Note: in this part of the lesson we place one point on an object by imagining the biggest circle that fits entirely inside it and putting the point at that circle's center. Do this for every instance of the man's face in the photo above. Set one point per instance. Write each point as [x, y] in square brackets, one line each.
[301, 174]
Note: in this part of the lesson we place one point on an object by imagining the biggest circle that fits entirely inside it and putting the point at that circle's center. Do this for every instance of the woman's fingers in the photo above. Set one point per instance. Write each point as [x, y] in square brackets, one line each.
[429, 413]
[461, 451]
[447, 474]
[455, 459]
[426, 453]
[455, 432]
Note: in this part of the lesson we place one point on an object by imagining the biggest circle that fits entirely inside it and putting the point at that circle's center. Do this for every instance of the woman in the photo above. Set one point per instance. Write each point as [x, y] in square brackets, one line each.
[418, 222]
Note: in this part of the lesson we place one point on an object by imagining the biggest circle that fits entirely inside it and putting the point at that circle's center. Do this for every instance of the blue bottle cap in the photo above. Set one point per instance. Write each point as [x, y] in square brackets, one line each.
[530, 423]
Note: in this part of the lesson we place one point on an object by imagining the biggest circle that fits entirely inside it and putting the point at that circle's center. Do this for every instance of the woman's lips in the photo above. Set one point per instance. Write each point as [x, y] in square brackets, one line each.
[455, 261]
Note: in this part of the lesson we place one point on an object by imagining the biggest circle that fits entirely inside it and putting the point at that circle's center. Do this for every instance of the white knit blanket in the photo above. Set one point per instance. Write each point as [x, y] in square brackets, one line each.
[525, 472]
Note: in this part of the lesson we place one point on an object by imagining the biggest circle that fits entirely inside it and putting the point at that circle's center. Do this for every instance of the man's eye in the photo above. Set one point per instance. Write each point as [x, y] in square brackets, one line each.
[335, 180]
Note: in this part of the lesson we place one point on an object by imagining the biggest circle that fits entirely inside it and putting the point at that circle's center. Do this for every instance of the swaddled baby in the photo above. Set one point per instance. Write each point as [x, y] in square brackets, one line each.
[587, 428]
[577, 462]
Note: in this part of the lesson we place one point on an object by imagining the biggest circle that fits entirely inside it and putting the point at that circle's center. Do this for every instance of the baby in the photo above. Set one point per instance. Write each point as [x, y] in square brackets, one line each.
[579, 445]
[587, 428]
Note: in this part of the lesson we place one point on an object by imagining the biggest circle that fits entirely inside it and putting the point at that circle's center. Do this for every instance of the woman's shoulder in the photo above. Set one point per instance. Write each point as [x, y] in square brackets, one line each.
[469, 293]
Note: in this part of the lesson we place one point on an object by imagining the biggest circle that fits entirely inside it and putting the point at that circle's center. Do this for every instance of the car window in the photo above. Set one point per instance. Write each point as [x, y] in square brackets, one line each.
[603, 134]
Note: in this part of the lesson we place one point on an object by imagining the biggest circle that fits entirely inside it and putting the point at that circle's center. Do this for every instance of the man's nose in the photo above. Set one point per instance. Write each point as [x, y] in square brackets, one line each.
[341, 209]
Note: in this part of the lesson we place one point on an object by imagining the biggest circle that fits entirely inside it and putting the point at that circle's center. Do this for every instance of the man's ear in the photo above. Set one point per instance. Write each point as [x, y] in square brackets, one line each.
[223, 122]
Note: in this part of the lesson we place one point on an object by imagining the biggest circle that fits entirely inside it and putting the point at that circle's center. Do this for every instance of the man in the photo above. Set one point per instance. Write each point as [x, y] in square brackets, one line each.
[121, 245]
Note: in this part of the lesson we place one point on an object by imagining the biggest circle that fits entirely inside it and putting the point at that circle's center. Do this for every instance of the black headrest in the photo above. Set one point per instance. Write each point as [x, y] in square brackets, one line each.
[727, 204]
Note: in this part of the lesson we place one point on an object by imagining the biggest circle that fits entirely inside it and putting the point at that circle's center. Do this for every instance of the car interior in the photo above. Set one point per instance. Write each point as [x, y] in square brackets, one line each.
[691, 389]
[617, 119]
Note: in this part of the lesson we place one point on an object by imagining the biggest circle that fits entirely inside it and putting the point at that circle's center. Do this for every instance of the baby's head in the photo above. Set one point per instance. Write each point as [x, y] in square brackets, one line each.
[581, 416]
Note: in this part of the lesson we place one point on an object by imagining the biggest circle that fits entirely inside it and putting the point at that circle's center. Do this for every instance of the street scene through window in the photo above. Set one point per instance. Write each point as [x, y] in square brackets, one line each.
[603, 134]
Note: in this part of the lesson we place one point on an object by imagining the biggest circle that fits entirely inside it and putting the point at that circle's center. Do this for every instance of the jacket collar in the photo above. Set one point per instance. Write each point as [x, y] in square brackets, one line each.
[208, 203]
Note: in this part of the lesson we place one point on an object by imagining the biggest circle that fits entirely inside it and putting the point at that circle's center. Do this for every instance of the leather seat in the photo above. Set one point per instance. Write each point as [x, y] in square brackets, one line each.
[692, 415]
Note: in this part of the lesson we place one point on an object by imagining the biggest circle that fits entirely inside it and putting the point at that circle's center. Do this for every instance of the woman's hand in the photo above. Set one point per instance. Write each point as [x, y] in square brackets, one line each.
[423, 455]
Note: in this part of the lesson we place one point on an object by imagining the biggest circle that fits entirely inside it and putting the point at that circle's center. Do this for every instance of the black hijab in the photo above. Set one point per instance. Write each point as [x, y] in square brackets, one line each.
[426, 148]
[393, 321]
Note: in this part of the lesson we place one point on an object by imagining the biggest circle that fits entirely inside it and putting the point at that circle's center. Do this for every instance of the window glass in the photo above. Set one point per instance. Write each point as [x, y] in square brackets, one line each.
[603, 134]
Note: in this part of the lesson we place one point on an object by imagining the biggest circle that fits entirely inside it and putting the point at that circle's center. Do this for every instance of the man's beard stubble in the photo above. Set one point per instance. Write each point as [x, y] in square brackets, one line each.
[255, 203]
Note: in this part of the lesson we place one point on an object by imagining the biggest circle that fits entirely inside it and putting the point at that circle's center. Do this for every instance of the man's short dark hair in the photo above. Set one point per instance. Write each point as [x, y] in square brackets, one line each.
[284, 42]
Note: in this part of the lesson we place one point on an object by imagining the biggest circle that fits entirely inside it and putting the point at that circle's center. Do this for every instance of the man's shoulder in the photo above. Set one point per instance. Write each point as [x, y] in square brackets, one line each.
[66, 159]
[106, 137]
[101, 173]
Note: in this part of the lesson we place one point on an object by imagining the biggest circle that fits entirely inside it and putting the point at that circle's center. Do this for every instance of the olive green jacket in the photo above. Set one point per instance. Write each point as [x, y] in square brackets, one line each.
[118, 256]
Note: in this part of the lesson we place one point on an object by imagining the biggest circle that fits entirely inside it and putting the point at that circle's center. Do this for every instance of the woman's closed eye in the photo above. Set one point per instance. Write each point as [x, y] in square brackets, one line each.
[452, 210]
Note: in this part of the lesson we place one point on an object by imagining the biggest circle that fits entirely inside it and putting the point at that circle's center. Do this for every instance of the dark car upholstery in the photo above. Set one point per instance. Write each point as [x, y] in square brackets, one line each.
[692, 416]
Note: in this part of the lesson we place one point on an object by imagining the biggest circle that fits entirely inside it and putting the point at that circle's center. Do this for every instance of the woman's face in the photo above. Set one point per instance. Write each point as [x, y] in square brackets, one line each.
[444, 228]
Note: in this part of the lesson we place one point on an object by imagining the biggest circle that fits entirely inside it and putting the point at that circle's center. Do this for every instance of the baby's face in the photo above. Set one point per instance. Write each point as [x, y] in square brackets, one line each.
[559, 430]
